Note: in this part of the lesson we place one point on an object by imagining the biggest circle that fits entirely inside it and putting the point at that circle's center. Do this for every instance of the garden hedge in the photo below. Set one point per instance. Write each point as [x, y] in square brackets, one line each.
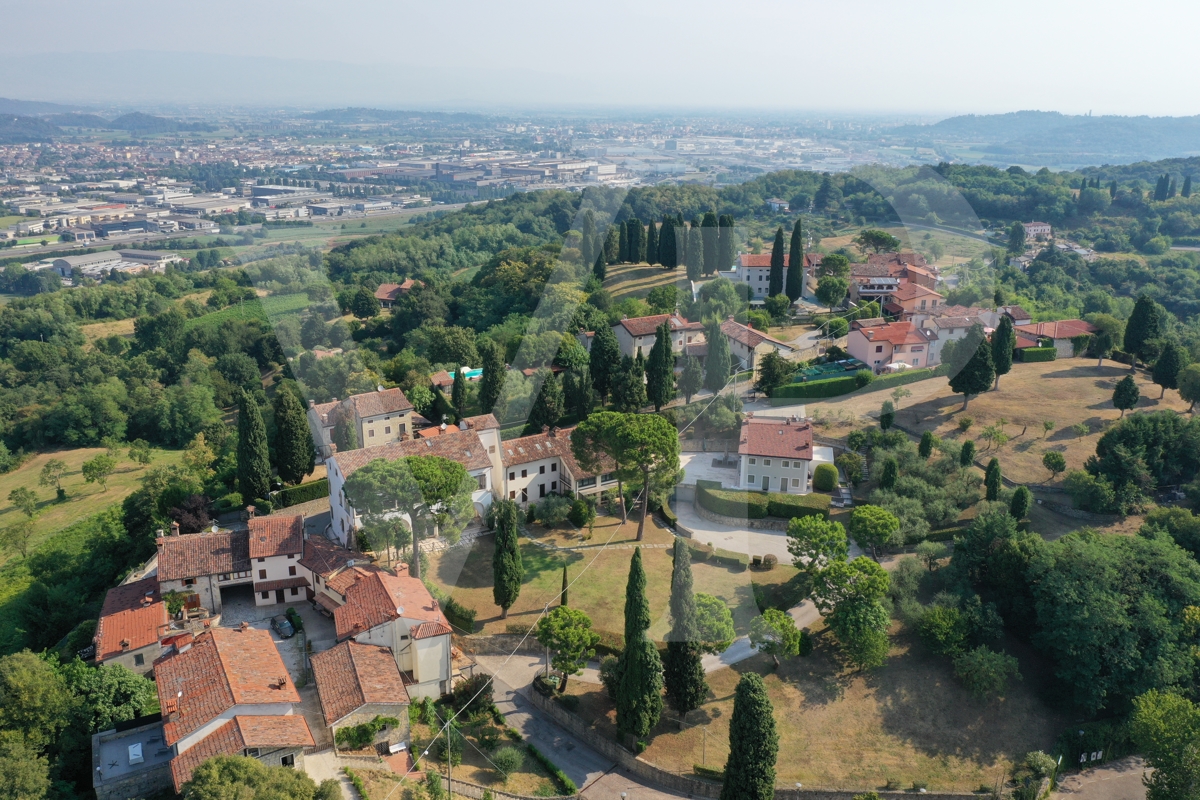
[759, 505]
[787, 506]
[1032, 354]
[295, 495]
[825, 478]
[829, 387]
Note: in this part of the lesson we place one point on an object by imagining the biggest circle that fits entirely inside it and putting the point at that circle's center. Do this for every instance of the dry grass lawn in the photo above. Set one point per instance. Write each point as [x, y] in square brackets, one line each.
[908, 721]
[102, 330]
[83, 499]
[475, 767]
[956, 249]
[467, 574]
[636, 280]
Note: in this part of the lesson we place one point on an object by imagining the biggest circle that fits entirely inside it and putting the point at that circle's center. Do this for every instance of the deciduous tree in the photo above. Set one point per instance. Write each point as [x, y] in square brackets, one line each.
[567, 632]
[873, 527]
[1126, 395]
[774, 632]
[98, 469]
[1145, 325]
[814, 542]
[1170, 363]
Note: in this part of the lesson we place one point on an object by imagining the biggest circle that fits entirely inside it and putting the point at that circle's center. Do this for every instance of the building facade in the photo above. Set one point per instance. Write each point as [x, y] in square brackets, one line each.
[776, 454]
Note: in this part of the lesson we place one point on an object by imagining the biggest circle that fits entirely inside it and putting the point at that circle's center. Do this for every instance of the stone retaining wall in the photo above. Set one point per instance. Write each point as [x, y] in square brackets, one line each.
[768, 524]
[501, 644]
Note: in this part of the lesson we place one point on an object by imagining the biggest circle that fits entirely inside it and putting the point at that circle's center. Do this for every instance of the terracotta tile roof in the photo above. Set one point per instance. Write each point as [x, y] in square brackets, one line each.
[463, 447]
[954, 322]
[870, 271]
[380, 597]
[441, 379]
[646, 326]
[867, 322]
[896, 333]
[761, 260]
[325, 557]
[1024, 341]
[270, 732]
[887, 259]
[390, 291]
[323, 410]
[776, 438]
[281, 583]
[1062, 329]
[373, 404]
[131, 618]
[483, 422]
[911, 291]
[1016, 312]
[351, 675]
[436, 430]
[526, 449]
[326, 602]
[747, 336]
[276, 536]
[343, 580]
[427, 630]
[195, 554]
[224, 667]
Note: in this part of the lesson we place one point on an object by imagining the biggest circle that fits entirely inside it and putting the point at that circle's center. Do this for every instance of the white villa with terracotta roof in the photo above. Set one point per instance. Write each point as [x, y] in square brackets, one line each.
[380, 417]
[776, 454]
[638, 334]
[542, 464]
[747, 345]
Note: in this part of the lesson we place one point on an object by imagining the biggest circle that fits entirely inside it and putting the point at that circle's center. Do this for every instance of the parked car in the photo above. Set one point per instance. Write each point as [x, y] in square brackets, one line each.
[283, 627]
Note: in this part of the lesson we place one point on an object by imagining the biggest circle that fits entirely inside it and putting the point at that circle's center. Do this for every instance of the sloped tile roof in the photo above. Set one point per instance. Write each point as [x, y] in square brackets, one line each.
[483, 422]
[463, 447]
[271, 732]
[745, 335]
[1062, 329]
[323, 410]
[646, 326]
[372, 404]
[379, 597]
[761, 260]
[776, 438]
[911, 291]
[427, 630]
[526, 449]
[325, 557]
[131, 618]
[897, 333]
[276, 536]
[224, 667]
[195, 554]
[888, 259]
[351, 675]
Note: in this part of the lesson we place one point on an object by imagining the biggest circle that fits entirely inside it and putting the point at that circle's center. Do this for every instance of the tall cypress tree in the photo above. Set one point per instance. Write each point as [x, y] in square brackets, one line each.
[294, 454]
[636, 235]
[623, 247]
[612, 245]
[775, 278]
[458, 393]
[639, 689]
[600, 268]
[709, 233]
[726, 243]
[1145, 324]
[695, 253]
[753, 743]
[668, 248]
[507, 569]
[794, 286]
[604, 361]
[683, 668]
[1187, 187]
[992, 480]
[253, 459]
[629, 385]
[718, 361]
[652, 243]
[660, 369]
[1004, 341]
[492, 383]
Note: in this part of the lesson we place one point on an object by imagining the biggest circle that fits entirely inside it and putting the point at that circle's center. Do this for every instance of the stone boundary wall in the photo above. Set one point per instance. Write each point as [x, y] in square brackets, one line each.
[500, 644]
[465, 789]
[694, 787]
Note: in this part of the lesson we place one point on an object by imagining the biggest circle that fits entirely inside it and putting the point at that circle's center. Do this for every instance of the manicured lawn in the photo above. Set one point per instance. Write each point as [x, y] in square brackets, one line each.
[908, 721]
[467, 574]
[83, 499]
[636, 280]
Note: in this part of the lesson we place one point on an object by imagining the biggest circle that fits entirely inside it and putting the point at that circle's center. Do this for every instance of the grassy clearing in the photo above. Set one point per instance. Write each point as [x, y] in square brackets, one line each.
[636, 280]
[245, 311]
[467, 574]
[908, 721]
[102, 330]
[475, 767]
[83, 499]
[957, 249]
[278, 305]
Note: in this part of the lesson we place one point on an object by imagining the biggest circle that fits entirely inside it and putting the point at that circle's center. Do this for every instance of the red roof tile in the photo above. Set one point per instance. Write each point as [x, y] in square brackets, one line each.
[911, 291]
[224, 667]
[195, 554]
[745, 335]
[379, 597]
[325, 557]
[276, 536]
[463, 447]
[899, 333]
[273, 732]
[527, 449]
[889, 259]
[483, 422]
[427, 630]
[373, 404]
[1062, 329]
[761, 260]
[131, 618]
[351, 675]
[646, 326]
[776, 438]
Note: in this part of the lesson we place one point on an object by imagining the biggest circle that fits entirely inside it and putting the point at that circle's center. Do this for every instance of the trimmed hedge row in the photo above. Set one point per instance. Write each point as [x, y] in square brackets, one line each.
[458, 615]
[1032, 354]
[565, 784]
[906, 376]
[295, 495]
[759, 505]
[829, 387]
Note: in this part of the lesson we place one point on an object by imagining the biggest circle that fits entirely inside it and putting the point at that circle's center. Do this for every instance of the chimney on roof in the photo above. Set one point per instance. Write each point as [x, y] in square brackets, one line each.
[312, 403]
[250, 512]
[545, 429]
[244, 626]
[332, 449]
[442, 427]
[124, 644]
[174, 528]
[553, 432]
[464, 424]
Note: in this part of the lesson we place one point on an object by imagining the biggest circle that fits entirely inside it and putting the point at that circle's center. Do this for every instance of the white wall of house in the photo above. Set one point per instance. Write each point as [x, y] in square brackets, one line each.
[275, 568]
[780, 474]
[427, 660]
[384, 429]
[533, 481]
[140, 661]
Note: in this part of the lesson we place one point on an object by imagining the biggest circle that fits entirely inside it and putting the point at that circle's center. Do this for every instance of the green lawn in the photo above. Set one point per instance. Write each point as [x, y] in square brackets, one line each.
[83, 499]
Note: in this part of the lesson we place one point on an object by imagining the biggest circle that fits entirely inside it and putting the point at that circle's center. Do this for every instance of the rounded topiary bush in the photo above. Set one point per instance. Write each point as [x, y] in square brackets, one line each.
[825, 478]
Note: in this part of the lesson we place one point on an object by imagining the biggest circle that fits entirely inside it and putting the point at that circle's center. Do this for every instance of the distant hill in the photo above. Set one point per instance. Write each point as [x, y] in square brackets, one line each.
[31, 107]
[1052, 138]
[74, 120]
[19, 130]
[137, 122]
[353, 115]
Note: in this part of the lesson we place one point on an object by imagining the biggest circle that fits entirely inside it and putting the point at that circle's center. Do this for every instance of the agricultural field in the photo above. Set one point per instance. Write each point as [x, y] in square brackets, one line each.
[636, 280]
[83, 499]
[956, 249]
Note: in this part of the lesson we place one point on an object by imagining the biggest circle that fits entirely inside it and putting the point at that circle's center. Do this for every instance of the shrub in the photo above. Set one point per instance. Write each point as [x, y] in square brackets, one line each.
[1032, 354]
[583, 511]
[303, 493]
[733, 503]
[863, 377]
[554, 510]
[356, 737]
[829, 387]
[508, 760]
[770, 561]
[1040, 764]
[609, 675]
[472, 695]
[825, 478]
[565, 784]
[788, 506]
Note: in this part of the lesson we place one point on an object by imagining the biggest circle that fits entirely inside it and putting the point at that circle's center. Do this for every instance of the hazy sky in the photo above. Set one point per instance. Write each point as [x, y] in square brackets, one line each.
[925, 56]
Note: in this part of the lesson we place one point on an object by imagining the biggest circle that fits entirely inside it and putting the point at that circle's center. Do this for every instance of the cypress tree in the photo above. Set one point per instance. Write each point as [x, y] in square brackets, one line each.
[1145, 324]
[629, 385]
[695, 253]
[458, 393]
[683, 669]
[578, 393]
[972, 370]
[562, 597]
[639, 690]
[623, 247]
[794, 287]
[668, 248]
[636, 236]
[753, 743]
[718, 361]
[685, 247]
[652, 243]
[992, 480]
[548, 405]
[775, 278]
[294, 454]
[253, 460]
[600, 269]
[612, 245]
[492, 383]
[967, 454]
[1112, 190]
[507, 569]
[660, 369]
[692, 378]
[604, 361]
[708, 230]
[1187, 187]
[1004, 341]
[726, 243]
[1171, 189]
